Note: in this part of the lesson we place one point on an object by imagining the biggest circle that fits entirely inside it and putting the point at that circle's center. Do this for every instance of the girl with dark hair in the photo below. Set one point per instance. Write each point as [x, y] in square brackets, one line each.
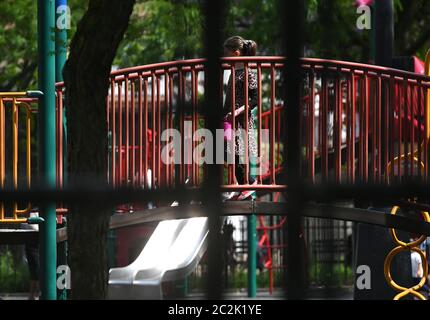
[236, 47]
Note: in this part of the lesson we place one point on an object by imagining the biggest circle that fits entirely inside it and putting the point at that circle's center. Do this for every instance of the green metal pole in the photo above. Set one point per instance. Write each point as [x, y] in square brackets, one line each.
[62, 24]
[252, 256]
[46, 75]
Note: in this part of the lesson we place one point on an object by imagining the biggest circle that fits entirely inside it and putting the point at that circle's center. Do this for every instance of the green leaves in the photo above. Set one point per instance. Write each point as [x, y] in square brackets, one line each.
[162, 30]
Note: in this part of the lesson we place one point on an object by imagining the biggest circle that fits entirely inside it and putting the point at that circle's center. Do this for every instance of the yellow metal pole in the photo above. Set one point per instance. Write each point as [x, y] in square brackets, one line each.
[15, 153]
[15, 143]
[28, 157]
[2, 148]
[13, 94]
[28, 119]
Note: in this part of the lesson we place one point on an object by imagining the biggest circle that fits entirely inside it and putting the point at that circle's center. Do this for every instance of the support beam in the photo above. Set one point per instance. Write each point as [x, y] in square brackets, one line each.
[62, 23]
[384, 32]
[46, 79]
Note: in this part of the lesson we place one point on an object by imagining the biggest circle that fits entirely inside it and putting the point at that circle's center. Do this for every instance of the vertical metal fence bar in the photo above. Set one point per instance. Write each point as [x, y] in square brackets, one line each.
[419, 133]
[196, 126]
[233, 125]
[181, 113]
[193, 124]
[159, 131]
[171, 125]
[109, 133]
[127, 132]
[141, 145]
[412, 125]
[379, 129]
[366, 126]
[387, 140]
[272, 124]
[323, 111]
[113, 130]
[405, 131]
[353, 124]
[311, 132]
[60, 138]
[426, 130]
[337, 128]
[361, 131]
[392, 109]
[59, 129]
[259, 124]
[292, 30]
[15, 125]
[246, 94]
[145, 132]
[211, 187]
[166, 166]
[153, 129]
[374, 113]
[400, 114]
[2, 153]
[134, 179]
[120, 145]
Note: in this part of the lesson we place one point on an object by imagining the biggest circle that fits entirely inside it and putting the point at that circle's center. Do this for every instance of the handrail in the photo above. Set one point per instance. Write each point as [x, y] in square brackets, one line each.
[414, 155]
[17, 102]
[273, 59]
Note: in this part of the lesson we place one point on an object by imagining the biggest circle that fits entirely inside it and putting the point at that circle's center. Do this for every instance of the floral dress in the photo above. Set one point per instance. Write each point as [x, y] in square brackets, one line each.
[240, 119]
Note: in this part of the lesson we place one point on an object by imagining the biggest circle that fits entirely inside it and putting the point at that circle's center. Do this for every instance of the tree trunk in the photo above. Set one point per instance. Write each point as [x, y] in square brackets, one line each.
[86, 75]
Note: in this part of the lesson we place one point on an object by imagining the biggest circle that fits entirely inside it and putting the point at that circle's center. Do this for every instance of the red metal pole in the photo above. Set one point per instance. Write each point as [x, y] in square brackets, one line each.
[379, 130]
[272, 124]
[158, 135]
[353, 122]
[172, 167]
[166, 110]
[154, 129]
[337, 128]
[311, 132]
[246, 124]
[127, 133]
[366, 128]
[233, 117]
[133, 135]
[405, 133]
[145, 134]
[259, 123]
[323, 110]
[120, 151]
[141, 132]
[113, 130]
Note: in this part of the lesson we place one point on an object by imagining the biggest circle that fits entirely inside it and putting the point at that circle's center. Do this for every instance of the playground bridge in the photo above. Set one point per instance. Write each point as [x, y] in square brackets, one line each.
[359, 124]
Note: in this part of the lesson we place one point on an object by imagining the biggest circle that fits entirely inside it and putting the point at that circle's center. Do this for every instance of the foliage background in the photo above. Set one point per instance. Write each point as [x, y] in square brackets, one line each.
[162, 30]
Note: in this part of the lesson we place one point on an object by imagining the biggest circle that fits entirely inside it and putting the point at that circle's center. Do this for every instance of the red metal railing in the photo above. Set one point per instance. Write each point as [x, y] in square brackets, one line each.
[345, 137]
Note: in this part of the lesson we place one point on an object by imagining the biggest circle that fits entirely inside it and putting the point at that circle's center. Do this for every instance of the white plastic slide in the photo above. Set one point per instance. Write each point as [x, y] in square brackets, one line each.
[171, 253]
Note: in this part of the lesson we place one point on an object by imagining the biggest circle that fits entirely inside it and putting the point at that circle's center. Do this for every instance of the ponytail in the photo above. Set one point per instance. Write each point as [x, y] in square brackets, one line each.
[246, 47]
[249, 48]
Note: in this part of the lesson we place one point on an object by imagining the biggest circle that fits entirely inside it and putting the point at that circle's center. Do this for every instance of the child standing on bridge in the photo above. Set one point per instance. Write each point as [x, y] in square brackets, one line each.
[237, 47]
